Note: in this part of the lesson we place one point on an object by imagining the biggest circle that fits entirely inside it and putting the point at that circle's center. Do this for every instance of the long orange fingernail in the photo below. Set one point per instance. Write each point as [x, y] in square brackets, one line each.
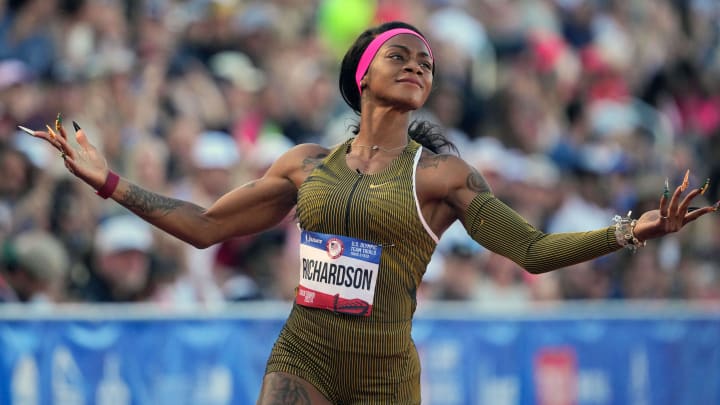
[686, 181]
[705, 185]
[50, 131]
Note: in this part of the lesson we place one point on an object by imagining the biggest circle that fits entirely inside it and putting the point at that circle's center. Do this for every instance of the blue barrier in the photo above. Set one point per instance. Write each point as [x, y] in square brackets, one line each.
[122, 356]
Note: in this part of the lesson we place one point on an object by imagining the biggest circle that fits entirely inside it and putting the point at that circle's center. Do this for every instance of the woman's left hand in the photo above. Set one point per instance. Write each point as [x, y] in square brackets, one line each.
[673, 214]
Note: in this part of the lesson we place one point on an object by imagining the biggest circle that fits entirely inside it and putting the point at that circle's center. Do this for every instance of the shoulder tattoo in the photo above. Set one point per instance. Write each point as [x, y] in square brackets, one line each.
[476, 182]
[432, 161]
[310, 163]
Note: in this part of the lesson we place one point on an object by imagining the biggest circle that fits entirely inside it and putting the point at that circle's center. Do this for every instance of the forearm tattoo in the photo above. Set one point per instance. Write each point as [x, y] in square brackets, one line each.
[476, 182]
[310, 163]
[286, 391]
[150, 204]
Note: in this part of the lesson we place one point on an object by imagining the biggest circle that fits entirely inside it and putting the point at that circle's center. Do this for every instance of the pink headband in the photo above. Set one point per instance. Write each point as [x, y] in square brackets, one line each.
[369, 54]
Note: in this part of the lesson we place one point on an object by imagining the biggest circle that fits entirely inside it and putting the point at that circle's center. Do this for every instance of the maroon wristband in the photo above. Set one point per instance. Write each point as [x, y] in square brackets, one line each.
[111, 183]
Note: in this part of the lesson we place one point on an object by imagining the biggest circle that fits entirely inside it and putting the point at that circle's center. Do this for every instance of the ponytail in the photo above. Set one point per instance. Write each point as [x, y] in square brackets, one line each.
[430, 136]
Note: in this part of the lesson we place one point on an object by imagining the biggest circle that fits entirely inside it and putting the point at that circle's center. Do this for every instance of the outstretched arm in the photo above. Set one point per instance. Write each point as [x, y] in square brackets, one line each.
[251, 208]
[248, 209]
[500, 229]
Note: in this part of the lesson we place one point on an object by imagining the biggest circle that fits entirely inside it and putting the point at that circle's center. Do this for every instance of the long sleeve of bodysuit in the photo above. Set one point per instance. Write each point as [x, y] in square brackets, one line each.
[502, 230]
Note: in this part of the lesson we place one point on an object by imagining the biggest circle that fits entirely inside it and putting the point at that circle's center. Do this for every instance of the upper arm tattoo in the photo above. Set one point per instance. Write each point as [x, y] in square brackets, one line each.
[310, 163]
[147, 203]
[476, 182]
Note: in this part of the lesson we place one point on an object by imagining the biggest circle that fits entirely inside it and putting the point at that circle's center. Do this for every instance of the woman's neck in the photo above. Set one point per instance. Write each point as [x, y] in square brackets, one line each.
[382, 127]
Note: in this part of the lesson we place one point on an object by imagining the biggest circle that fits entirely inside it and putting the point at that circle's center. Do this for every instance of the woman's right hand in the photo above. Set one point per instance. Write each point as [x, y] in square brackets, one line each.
[83, 159]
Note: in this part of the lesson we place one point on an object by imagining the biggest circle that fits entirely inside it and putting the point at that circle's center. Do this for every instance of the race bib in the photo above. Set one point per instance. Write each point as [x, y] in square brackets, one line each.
[337, 273]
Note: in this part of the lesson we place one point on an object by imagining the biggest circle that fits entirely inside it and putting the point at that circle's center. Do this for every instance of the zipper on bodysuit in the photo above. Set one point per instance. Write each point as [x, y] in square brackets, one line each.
[347, 207]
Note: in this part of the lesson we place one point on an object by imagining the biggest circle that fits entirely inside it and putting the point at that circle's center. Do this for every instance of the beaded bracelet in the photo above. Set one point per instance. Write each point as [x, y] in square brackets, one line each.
[625, 232]
[111, 183]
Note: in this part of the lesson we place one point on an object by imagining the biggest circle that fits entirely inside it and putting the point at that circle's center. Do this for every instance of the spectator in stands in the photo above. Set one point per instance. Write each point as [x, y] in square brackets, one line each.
[122, 263]
[460, 278]
[26, 35]
[19, 191]
[35, 265]
[214, 158]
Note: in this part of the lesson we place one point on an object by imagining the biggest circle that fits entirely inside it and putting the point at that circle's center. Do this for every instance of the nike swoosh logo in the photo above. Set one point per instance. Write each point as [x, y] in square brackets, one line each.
[379, 184]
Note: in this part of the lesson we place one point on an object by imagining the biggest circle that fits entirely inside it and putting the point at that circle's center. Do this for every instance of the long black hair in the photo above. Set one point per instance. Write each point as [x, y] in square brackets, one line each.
[424, 132]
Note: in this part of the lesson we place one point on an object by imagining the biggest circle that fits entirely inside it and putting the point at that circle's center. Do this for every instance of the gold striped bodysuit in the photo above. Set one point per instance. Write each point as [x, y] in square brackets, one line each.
[355, 359]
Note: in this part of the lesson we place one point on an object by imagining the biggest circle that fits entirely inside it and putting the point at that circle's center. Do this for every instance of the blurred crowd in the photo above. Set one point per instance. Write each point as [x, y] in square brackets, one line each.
[574, 110]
